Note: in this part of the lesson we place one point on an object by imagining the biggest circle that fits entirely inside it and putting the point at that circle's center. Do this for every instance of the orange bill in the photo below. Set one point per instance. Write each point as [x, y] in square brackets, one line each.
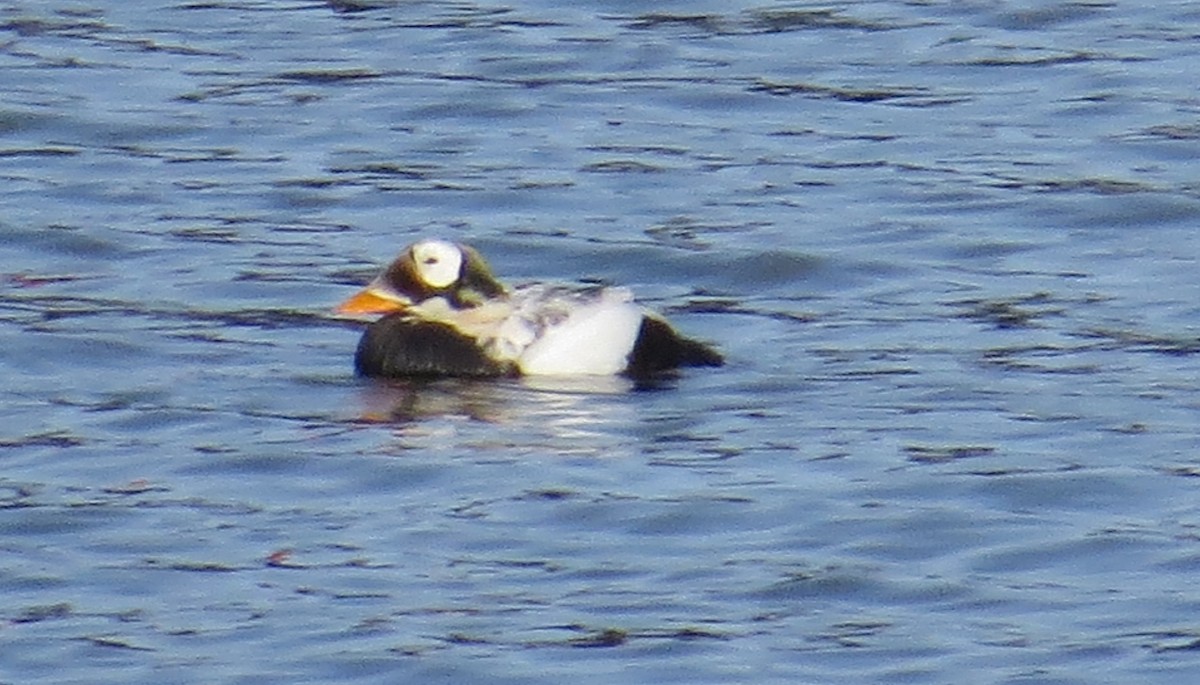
[368, 302]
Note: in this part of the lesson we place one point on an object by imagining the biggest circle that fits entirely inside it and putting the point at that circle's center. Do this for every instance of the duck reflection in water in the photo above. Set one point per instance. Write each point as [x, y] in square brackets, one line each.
[553, 417]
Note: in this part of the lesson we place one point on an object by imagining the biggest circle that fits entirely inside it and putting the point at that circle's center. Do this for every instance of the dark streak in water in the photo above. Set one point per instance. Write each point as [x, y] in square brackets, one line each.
[584, 637]
[1044, 60]
[328, 76]
[56, 439]
[1134, 341]
[913, 97]
[41, 152]
[621, 166]
[56, 307]
[758, 21]
[1021, 312]
[113, 642]
[926, 454]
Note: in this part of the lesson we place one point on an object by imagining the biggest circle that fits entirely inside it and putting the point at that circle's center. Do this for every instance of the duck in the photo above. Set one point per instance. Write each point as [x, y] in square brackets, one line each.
[443, 313]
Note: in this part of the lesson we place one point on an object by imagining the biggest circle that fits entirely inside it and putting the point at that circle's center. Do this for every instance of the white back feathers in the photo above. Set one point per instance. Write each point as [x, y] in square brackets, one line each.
[593, 335]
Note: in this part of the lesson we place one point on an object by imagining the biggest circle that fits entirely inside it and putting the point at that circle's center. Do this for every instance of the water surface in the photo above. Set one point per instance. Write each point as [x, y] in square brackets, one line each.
[948, 248]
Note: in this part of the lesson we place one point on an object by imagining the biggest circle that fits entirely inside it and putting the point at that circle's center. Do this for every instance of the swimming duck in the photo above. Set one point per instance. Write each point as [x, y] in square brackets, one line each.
[445, 314]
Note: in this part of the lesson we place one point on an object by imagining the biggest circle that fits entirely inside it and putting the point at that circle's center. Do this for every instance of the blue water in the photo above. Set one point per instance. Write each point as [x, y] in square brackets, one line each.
[949, 249]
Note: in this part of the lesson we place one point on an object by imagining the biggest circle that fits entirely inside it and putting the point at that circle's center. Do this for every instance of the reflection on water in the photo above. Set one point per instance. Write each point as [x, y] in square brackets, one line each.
[401, 401]
[539, 416]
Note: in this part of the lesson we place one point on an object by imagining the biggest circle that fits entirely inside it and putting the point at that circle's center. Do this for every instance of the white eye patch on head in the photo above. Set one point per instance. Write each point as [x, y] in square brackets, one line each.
[438, 263]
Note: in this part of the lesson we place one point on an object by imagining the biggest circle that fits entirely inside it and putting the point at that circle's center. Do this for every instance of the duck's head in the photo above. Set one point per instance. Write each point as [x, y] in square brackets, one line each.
[427, 269]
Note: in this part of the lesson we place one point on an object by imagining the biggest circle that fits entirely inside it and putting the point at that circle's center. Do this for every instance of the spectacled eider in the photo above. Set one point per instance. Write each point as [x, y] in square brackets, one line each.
[445, 314]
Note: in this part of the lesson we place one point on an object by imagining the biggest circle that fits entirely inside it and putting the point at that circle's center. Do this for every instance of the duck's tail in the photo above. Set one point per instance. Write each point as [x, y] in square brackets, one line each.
[659, 348]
